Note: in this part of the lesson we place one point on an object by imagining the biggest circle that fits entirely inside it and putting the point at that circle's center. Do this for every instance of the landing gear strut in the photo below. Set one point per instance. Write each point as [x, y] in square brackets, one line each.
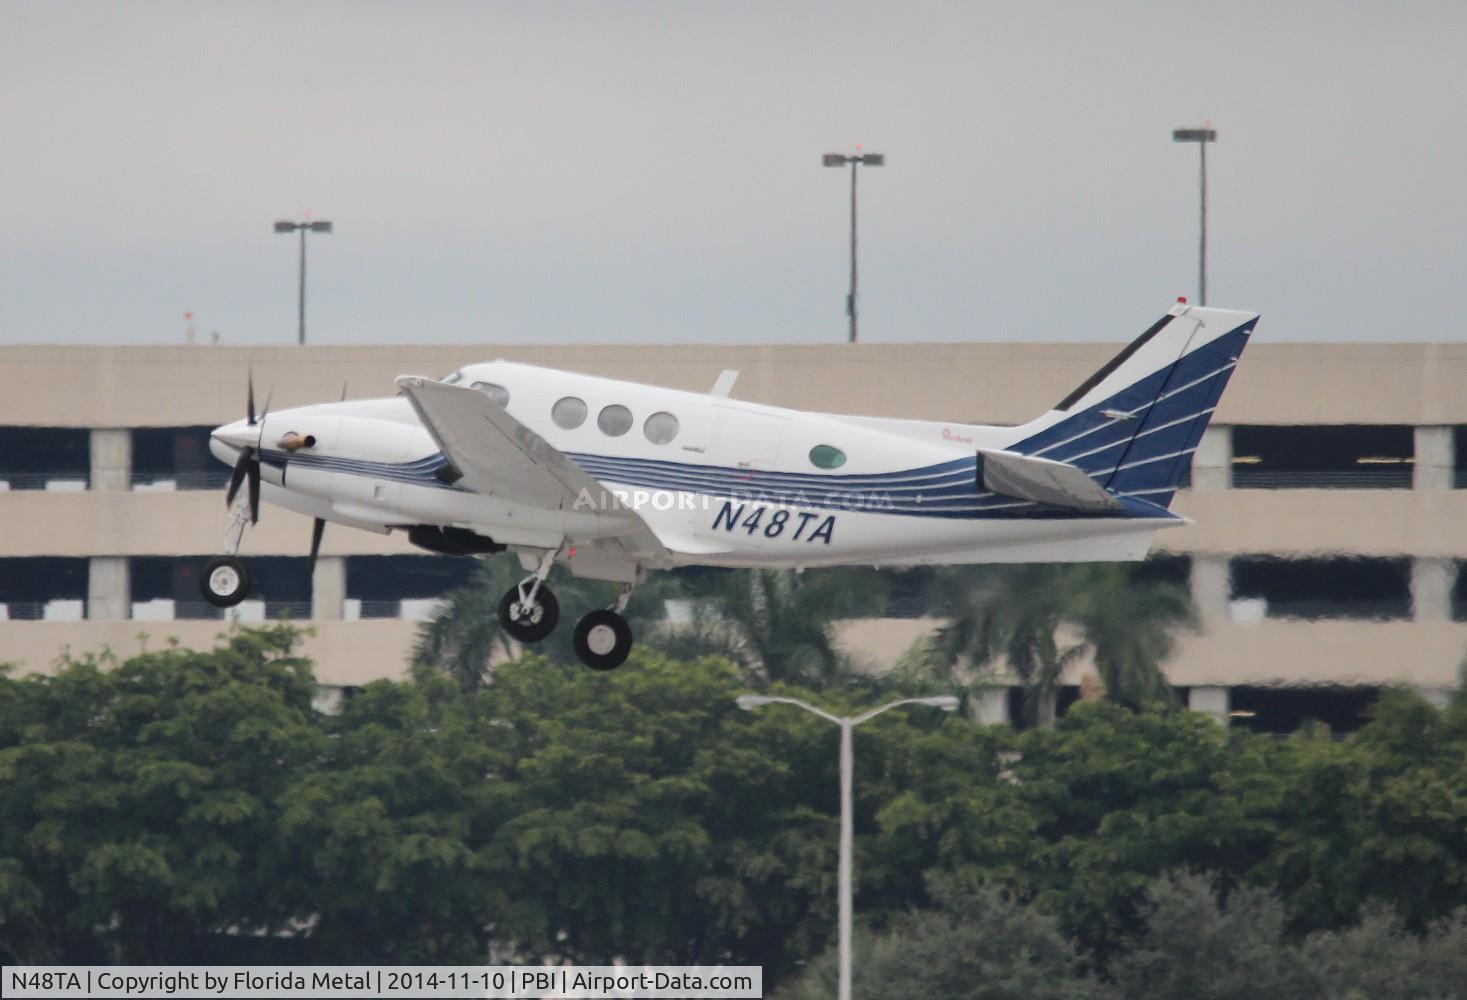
[529, 612]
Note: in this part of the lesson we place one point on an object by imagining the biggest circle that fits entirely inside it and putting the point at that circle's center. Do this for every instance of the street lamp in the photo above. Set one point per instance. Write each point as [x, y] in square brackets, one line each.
[303, 227]
[840, 160]
[749, 702]
[1201, 136]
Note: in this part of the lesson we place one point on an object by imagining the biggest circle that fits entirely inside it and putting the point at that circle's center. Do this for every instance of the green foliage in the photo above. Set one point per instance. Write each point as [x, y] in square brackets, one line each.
[144, 797]
[778, 624]
[464, 636]
[171, 806]
[1194, 947]
[1018, 615]
[978, 945]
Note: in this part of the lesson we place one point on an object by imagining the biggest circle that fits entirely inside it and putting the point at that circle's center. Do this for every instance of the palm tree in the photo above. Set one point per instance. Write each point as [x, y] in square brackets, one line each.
[779, 624]
[1017, 613]
[1013, 613]
[464, 634]
[1131, 626]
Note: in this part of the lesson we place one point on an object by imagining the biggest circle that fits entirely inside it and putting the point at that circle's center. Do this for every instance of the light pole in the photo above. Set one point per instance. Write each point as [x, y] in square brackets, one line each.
[749, 702]
[1201, 136]
[315, 227]
[840, 160]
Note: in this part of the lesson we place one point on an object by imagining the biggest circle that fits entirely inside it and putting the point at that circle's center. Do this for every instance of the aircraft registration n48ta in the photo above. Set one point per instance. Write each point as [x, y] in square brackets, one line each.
[615, 479]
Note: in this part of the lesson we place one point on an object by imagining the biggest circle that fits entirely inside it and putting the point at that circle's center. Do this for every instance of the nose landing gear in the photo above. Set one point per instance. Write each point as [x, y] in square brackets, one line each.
[226, 579]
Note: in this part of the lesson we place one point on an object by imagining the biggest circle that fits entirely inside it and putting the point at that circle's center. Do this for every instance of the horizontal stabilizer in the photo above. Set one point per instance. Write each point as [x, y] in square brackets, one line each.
[1041, 480]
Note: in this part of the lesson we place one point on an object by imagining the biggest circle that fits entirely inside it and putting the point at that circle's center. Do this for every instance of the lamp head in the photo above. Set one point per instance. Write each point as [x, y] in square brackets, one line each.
[749, 702]
[946, 702]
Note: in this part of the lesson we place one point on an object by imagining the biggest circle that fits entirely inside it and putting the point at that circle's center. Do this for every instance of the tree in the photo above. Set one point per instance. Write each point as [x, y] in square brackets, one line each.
[978, 945]
[387, 840]
[464, 636]
[779, 624]
[1020, 615]
[1197, 947]
[1011, 613]
[140, 800]
[1130, 626]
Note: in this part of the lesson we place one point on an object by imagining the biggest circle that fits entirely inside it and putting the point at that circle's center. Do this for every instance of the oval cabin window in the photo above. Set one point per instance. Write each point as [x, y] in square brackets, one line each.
[660, 428]
[569, 413]
[823, 456]
[614, 420]
[498, 393]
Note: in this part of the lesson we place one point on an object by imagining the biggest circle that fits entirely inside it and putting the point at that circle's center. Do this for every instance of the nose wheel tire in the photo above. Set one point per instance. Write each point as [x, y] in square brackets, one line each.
[602, 640]
[526, 622]
[226, 582]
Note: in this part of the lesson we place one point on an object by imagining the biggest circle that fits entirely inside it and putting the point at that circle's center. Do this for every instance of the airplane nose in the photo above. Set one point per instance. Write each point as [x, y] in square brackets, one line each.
[240, 434]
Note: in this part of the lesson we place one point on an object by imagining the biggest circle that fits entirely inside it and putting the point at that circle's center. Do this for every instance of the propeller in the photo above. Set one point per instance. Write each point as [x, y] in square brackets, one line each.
[318, 528]
[247, 466]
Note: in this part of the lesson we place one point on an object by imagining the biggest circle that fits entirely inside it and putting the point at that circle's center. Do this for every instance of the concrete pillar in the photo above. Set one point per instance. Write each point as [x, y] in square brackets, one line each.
[1212, 462]
[1213, 701]
[328, 588]
[108, 597]
[111, 449]
[990, 706]
[1434, 459]
[1431, 588]
[1211, 586]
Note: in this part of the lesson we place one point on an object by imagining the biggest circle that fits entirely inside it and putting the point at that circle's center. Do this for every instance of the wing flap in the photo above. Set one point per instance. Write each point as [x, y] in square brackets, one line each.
[1041, 480]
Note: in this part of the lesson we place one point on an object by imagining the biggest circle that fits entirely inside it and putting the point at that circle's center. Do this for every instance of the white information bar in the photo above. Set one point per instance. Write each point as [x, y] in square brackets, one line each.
[369, 982]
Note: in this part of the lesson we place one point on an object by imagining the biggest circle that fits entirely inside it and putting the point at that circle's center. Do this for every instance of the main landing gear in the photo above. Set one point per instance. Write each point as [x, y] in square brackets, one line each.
[529, 613]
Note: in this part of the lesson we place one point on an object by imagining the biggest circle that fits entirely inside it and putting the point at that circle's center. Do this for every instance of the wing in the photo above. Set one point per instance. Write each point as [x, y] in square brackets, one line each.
[498, 456]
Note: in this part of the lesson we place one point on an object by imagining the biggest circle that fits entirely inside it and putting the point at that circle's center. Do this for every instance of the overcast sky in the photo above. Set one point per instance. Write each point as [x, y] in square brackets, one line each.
[650, 172]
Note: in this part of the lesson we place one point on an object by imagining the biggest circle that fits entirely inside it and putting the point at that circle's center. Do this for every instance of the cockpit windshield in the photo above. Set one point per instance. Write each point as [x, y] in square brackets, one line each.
[451, 379]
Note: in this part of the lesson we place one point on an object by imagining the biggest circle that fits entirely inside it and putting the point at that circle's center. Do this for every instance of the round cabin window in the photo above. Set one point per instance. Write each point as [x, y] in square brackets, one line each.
[660, 428]
[498, 393]
[823, 456]
[569, 412]
[614, 420]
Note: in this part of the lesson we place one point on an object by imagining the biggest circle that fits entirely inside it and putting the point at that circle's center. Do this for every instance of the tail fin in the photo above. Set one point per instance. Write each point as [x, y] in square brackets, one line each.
[1133, 425]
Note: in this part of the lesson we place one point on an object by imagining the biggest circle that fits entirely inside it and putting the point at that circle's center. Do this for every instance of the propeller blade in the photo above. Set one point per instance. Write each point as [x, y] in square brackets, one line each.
[317, 529]
[254, 473]
[250, 398]
[268, 396]
[344, 383]
[246, 457]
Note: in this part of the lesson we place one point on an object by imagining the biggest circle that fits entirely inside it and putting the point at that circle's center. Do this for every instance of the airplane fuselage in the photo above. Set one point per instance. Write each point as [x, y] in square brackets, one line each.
[725, 482]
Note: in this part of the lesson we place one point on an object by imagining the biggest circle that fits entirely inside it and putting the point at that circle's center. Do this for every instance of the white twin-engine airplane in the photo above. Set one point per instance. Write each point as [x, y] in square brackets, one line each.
[615, 479]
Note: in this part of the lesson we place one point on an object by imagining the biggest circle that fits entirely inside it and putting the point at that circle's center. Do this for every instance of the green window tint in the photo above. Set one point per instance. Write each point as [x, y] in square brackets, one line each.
[823, 456]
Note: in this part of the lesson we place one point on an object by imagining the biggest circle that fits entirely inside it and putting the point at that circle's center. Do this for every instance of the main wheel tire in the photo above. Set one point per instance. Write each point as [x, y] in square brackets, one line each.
[226, 581]
[602, 640]
[529, 623]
